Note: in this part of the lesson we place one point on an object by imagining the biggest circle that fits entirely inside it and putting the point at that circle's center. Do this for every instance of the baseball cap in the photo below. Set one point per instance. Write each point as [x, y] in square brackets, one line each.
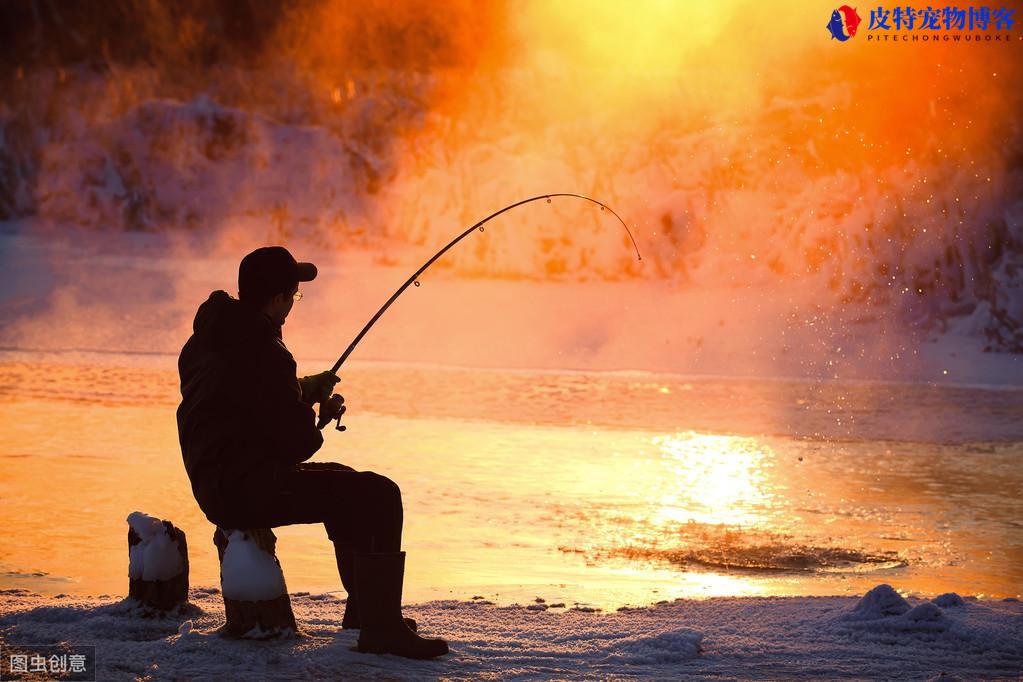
[270, 270]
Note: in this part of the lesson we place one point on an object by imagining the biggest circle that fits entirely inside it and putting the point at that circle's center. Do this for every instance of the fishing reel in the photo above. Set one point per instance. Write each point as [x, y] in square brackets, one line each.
[322, 420]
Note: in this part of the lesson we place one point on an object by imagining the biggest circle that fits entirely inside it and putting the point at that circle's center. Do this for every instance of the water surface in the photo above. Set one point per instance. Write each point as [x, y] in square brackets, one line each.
[599, 488]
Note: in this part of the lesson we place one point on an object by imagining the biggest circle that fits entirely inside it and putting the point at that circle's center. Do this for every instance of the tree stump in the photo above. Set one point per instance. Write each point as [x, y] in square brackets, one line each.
[256, 600]
[157, 563]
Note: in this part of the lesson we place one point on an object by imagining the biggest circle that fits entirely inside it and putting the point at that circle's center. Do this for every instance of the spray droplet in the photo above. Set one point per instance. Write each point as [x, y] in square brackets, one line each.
[548, 200]
[416, 282]
[601, 208]
[481, 228]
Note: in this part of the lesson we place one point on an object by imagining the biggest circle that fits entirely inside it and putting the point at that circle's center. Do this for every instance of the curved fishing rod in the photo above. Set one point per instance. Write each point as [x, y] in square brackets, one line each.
[414, 279]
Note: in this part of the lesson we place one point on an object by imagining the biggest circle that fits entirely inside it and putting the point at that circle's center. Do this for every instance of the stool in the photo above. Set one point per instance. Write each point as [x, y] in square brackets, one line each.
[158, 566]
[256, 600]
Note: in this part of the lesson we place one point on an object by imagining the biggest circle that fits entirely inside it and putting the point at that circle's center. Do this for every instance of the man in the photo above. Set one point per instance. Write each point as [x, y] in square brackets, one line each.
[246, 425]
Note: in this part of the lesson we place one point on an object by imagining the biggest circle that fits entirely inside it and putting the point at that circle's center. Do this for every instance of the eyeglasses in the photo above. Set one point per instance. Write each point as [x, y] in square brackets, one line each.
[297, 296]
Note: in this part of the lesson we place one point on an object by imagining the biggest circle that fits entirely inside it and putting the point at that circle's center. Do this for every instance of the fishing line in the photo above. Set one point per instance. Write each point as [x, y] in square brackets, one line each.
[414, 279]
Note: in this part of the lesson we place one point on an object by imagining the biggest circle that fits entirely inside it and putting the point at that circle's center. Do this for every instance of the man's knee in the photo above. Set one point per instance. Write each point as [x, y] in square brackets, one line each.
[374, 499]
[383, 488]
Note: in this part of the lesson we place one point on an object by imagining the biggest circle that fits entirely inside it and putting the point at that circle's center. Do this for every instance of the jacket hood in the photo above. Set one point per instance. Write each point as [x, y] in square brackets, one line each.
[223, 321]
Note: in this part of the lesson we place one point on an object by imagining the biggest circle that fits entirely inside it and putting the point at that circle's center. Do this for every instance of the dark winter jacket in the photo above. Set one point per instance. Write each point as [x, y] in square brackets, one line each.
[241, 417]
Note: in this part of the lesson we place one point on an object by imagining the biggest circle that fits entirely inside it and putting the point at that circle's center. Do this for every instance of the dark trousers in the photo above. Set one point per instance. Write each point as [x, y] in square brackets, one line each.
[357, 507]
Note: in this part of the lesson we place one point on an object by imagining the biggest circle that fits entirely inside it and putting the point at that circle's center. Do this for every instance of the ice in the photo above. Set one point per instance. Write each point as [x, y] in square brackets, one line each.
[157, 556]
[247, 572]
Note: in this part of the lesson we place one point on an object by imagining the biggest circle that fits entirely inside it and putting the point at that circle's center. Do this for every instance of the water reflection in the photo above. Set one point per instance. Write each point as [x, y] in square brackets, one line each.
[714, 479]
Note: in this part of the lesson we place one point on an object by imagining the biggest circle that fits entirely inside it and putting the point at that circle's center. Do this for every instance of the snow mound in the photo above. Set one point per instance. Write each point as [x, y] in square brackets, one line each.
[928, 627]
[157, 557]
[880, 602]
[926, 612]
[884, 615]
[948, 599]
[670, 646]
[248, 573]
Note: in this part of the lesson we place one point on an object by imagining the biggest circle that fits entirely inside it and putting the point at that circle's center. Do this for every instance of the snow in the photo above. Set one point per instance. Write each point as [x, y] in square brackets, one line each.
[925, 612]
[248, 573]
[200, 166]
[949, 599]
[730, 638]
[880, 602]
[157, 557]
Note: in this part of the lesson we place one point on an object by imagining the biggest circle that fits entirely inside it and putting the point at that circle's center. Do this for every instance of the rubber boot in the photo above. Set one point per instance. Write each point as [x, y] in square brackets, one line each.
[379, 578]
[344, 553]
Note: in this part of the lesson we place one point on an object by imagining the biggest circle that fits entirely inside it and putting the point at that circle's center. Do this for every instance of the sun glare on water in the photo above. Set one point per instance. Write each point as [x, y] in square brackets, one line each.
[714, 479]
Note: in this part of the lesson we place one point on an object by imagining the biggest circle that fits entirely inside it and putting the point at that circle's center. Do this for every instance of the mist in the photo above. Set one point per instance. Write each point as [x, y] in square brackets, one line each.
[792, 198]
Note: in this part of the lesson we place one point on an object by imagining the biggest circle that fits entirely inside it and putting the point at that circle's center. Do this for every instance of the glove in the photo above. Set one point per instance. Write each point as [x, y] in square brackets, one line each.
[317, 387]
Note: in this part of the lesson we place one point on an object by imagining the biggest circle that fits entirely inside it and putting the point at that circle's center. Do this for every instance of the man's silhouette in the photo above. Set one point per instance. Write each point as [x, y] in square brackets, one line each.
[246, 425]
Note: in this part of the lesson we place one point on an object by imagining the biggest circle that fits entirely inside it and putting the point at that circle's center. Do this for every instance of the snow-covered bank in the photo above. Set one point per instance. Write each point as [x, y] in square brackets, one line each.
[911, 234]
[878, 636]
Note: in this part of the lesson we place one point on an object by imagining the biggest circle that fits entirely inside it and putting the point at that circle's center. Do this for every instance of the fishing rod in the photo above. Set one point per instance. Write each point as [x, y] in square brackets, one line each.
[414, 279]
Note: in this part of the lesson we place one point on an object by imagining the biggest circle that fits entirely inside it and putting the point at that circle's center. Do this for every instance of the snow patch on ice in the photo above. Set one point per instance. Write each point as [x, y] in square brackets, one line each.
[157, 556]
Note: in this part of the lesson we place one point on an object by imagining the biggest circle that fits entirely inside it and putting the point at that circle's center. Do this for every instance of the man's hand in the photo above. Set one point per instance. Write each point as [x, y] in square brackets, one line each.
[317, 387]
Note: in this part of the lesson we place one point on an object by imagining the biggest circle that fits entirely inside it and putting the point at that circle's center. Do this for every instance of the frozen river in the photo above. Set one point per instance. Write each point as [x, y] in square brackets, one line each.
[592, 487]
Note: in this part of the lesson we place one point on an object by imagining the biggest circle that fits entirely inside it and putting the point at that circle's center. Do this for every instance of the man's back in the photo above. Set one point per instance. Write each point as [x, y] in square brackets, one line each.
[241, 415]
